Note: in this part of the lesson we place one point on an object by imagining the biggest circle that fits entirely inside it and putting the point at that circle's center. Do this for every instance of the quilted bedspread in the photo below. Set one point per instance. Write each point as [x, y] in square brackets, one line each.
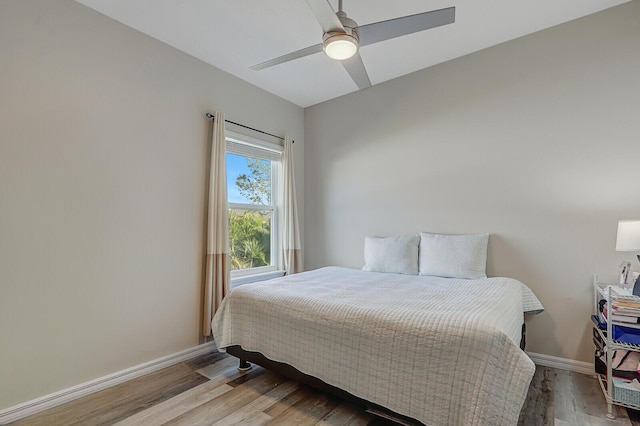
[443, 351]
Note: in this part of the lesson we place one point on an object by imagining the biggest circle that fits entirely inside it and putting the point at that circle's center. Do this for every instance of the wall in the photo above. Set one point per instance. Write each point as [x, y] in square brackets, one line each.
[103, 180]
[534, 141]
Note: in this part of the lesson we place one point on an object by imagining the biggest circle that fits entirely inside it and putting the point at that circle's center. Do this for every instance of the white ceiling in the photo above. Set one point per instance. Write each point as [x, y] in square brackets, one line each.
[234, 35]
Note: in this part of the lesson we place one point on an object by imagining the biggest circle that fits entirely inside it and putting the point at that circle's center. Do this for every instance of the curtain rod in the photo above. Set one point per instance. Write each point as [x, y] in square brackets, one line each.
[212, 117]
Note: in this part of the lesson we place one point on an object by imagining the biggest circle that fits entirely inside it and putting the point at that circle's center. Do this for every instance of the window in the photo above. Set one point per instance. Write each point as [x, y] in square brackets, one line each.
[253, 171]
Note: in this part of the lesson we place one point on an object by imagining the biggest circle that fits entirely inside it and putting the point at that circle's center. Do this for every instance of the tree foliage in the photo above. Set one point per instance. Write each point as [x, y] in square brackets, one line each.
[249, 239]
[250, 230]
[256, 186]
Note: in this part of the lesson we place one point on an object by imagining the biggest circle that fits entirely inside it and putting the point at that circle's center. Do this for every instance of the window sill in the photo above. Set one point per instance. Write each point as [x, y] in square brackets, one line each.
[235, 282]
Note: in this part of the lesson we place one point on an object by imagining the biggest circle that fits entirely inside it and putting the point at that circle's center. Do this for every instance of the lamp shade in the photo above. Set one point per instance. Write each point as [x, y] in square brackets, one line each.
[628, 235]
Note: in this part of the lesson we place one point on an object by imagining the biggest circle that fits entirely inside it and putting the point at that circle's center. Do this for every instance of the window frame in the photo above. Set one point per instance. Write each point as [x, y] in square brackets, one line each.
[255, 146]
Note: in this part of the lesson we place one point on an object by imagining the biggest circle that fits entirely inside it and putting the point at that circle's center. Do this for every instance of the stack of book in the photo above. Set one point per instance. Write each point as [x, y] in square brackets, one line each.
[626, 311]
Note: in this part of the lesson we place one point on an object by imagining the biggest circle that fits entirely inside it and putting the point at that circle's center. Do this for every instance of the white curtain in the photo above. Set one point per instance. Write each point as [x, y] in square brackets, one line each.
[217, 278]
[291, 235]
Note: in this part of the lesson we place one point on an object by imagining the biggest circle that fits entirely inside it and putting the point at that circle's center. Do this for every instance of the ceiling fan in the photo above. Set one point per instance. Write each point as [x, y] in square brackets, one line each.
[342, 36]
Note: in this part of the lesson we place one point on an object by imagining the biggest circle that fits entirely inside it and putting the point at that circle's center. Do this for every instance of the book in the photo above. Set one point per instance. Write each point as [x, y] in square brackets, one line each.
[626, 318]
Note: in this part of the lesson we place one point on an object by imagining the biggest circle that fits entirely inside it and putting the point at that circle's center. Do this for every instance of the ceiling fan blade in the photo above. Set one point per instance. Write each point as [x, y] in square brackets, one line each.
[325, 15]
[385, 30]
[355, 68]
[289, 57]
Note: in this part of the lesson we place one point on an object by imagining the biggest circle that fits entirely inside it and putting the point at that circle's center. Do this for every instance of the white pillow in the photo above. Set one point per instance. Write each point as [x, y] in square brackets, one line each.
[453, 256]
[397, 254]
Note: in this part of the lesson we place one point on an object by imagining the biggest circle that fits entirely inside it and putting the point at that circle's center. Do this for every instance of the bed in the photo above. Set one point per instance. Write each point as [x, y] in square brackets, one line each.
[438, 350]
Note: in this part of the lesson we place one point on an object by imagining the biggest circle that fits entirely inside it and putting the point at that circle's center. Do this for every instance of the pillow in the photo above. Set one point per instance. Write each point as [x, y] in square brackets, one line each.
[397, 254]
[453, 256]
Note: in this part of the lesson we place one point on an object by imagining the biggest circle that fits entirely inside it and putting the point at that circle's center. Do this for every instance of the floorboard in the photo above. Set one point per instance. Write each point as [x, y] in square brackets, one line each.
[209, 390]
[538, 405]
[307, 411]
[121, 401]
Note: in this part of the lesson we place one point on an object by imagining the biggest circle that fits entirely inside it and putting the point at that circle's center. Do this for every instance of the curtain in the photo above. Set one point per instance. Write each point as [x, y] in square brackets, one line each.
[217, 277]
[291, 235]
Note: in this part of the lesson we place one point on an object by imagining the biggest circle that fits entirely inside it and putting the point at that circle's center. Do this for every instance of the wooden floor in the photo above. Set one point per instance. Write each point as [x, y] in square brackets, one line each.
[209, 390]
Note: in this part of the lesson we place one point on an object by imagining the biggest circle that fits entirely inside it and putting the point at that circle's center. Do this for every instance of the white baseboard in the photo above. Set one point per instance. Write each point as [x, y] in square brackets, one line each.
[562, 363]
[37, 405]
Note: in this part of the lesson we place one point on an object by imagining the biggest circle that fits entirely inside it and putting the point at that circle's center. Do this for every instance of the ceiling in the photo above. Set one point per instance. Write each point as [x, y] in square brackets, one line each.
[234, 35]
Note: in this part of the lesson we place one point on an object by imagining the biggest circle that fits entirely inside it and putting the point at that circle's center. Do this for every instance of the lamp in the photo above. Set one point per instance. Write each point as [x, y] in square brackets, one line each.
[339, 45]
[628, 238]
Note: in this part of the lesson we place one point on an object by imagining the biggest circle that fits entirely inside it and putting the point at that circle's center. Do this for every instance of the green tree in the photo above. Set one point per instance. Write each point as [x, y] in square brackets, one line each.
[249, 239]
[256, 186]
[250, 230]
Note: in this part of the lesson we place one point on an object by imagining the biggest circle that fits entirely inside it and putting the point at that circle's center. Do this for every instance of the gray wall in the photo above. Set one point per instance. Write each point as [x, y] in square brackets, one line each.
[103, 171]
[535, 141]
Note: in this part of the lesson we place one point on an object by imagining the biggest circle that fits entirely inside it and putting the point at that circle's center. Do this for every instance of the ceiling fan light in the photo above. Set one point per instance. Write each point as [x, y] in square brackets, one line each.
[340, 46]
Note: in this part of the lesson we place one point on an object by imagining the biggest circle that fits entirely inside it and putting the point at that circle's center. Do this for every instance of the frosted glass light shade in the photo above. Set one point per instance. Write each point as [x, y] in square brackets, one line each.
[628, 235]
[340, 46]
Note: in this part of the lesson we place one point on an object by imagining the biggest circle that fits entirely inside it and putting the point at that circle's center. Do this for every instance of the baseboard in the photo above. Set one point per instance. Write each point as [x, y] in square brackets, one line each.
[562, 363]
[37, 405]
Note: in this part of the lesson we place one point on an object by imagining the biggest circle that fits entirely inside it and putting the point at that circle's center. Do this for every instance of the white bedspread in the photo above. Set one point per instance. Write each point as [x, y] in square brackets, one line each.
[443, 351]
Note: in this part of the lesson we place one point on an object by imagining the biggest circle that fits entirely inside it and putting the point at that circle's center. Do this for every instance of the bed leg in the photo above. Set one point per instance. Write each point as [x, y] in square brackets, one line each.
[244, 365]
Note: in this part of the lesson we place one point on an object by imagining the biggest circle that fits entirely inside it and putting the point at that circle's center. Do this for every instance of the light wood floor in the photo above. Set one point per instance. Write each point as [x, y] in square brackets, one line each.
[210, 390]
